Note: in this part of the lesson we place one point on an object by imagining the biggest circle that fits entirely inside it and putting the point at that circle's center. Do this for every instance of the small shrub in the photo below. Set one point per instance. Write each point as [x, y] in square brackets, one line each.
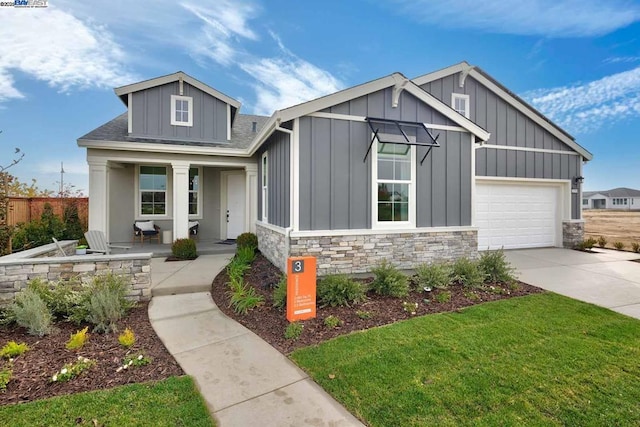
[293, 331]
[635, 247]
[339, 290]
[245, 255]
[13, 349]
[602, 242]
[61, 297]
[31, 312]
[332, 322]
[410, 307]
[7, 316]
[127, 339]
[244, 297]
[105, 302]
[247, 240]
[495, 267]
[72, 370]
[364, 315]
[587, 244]
[279, 295]
[389, 281]
[236, 269]
[618, 245]
[78, 340]
[184, 249]
[6, 373]
[443, 297]
[434, 276]
[472, 296]
[467, 273]
[134, 361]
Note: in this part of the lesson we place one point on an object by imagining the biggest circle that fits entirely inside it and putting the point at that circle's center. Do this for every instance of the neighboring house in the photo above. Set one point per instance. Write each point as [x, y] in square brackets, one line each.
[618, 198]
[407, 170]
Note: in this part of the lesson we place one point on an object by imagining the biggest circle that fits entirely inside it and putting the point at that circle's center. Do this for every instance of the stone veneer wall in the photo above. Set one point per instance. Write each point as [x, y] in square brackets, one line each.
[273, 246]
[359, 253]
[572, 233]
[16, 272]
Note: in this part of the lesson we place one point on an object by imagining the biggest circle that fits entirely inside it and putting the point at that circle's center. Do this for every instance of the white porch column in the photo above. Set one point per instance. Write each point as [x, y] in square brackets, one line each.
[99, 195]
[180, 200]
[251, 193]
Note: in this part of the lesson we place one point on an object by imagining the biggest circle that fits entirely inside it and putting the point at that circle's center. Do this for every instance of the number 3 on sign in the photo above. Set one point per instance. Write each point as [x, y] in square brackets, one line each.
[298, 266]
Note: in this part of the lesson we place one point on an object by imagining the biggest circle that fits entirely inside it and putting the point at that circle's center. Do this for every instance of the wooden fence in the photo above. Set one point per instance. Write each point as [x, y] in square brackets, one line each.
[24, 209]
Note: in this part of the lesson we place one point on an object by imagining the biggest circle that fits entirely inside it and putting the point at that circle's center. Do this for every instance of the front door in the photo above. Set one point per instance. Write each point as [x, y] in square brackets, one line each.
[235, 204]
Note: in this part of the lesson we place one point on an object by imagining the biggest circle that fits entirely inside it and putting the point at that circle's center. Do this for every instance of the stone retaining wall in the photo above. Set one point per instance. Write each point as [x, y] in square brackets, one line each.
[273, 245]
[16, 272]
[360, 253]
[572, 233]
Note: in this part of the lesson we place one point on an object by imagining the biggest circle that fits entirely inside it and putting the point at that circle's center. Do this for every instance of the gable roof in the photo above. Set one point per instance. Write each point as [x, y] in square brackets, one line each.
[616, 192]
[122, 91]
[397, 80]
[514, 100]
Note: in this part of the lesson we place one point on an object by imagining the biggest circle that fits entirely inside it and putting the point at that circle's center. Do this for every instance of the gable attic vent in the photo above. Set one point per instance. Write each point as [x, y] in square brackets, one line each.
[254, 127]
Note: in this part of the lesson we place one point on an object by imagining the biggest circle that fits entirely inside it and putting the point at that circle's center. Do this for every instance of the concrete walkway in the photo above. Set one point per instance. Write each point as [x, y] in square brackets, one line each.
[606, 278]
[243, 379]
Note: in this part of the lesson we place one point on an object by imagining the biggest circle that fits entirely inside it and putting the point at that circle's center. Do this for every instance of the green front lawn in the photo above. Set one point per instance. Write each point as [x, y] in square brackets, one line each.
[172, 402]
[537, 360]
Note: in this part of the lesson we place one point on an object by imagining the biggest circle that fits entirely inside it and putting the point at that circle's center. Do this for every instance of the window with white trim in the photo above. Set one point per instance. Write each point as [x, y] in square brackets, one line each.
[181, 110]
[460, 103]
[585, 201]
[194, 191]
[394, 178]
[152, 187]
[265, 185]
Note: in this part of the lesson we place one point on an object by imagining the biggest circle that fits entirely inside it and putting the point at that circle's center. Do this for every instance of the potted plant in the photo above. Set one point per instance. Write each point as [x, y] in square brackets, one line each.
[81, 249]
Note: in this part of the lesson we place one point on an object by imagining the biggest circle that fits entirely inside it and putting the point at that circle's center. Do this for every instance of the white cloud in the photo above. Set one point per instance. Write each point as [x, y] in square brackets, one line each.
[553, 18]
[585, 107]
[58, 49]
[623, 59]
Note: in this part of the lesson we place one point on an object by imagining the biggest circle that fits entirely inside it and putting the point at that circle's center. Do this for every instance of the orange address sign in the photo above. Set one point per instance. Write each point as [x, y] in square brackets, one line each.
[301, 288]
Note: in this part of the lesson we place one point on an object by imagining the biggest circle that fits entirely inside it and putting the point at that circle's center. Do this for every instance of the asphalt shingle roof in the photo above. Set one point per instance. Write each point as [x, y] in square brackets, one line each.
[241, 133]
[616, 192]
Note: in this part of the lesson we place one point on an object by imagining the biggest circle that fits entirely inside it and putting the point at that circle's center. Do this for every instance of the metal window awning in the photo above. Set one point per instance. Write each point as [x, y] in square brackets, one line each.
[389, 131]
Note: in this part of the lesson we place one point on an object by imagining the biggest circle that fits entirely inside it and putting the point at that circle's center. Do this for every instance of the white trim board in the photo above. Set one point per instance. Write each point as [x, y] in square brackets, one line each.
[367, 232]
[533, 150]
[351, 118]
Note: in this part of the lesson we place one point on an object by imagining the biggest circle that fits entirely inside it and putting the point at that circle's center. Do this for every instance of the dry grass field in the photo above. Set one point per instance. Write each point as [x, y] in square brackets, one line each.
[623, 226]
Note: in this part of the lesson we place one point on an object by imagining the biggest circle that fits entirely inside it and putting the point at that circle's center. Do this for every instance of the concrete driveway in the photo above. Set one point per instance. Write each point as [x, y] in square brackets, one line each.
[606, 278]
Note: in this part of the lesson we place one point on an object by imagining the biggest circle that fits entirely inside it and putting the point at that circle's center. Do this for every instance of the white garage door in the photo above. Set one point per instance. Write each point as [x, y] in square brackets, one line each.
[514, 216]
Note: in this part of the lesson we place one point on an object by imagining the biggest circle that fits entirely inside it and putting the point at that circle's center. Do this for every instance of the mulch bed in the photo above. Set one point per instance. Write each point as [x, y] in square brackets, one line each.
[270, 323]
[33, 370]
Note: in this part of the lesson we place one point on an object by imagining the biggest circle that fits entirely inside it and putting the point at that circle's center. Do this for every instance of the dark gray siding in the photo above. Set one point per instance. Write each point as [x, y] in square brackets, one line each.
[278, 170]
[509, 127]
[151, 114]
[335, 183]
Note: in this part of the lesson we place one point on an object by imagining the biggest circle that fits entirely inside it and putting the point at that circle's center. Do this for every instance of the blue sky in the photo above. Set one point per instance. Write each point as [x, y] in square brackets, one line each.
[578, 61]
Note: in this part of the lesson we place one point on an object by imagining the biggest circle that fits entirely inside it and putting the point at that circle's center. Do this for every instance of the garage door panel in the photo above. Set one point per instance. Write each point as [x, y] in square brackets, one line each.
[516, 216]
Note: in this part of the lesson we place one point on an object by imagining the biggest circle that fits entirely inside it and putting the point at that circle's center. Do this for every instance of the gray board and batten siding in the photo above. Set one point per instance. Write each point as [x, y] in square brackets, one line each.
[509, 127]
[151, 114]
[335, 182]
[278, 158]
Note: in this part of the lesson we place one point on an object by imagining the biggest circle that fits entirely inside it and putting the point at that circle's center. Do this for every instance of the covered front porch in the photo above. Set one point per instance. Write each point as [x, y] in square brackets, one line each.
[161, 250]
[174, 191]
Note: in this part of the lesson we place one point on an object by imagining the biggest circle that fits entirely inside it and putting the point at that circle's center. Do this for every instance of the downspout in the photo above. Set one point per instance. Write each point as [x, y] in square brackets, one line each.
[287, 230]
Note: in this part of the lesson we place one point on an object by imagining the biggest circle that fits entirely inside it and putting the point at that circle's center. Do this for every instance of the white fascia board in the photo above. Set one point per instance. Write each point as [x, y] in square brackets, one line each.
[159, 81]
[436, 75]
[162, 148]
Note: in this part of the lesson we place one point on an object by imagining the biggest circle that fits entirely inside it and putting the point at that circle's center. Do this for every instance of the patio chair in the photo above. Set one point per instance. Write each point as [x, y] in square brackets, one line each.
[144, 229]
[98, 242]
[193, 229]
[60, 248]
